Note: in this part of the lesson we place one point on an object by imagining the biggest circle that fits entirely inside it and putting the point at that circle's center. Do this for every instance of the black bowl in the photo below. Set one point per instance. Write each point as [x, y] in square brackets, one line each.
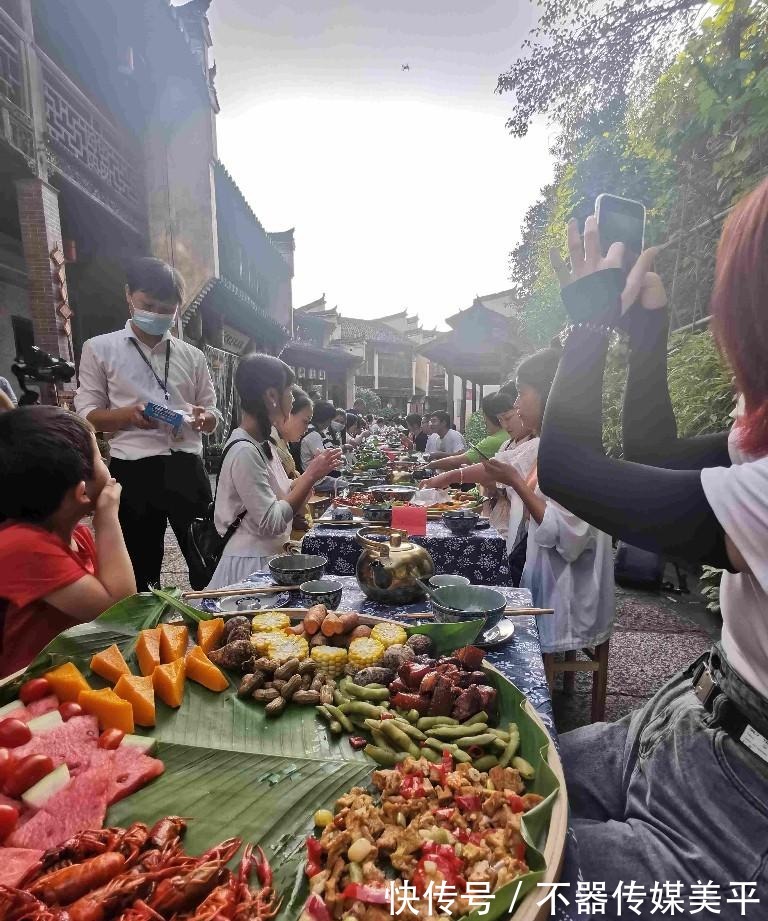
[293, 569]
[461, 522]
[321, 591]
[379, 514]
[396, 493]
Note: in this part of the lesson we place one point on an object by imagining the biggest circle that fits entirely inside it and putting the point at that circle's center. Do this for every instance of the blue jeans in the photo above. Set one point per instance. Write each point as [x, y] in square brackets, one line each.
[666, 795]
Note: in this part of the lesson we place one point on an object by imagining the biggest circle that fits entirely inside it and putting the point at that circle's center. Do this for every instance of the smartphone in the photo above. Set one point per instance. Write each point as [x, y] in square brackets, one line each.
[621, 220]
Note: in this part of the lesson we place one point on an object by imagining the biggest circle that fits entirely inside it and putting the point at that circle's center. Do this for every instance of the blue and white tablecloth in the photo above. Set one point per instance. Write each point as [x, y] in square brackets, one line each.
[481, 557]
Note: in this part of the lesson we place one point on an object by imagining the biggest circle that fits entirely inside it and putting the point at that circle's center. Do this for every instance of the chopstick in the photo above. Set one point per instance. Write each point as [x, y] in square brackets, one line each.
[231, 592]
[508, 612]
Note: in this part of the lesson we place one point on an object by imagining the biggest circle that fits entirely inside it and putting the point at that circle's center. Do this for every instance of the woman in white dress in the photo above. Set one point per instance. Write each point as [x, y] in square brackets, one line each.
[253, 479]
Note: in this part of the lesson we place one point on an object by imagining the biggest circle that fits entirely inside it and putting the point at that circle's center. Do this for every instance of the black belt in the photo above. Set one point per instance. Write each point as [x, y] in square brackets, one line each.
[745, 723]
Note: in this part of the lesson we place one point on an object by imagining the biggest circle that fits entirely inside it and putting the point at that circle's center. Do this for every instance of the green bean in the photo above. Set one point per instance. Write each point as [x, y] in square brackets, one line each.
[409, 730]
[525, 768]
[481, 717]
[376, 687]
[398, 738]
[361, 708]
[324, 713]
[381, 741]
[511, 747]
[458, 732]
[484, 739]
[500, 734]
[412, 716]
[339, 715]
[358, 722]
[380, 756]
[355, 872]
[439, 746]
[339, 698]
[485, 763]
[430, 755]
[336, 727]
[429, 722]
[500, 744]
[366, 693]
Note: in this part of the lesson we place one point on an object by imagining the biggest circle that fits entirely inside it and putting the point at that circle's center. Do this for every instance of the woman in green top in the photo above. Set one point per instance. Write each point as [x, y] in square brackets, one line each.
[493, 406]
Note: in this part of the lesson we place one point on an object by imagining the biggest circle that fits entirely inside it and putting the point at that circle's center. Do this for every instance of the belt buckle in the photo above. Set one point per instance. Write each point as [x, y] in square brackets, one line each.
[705, 687]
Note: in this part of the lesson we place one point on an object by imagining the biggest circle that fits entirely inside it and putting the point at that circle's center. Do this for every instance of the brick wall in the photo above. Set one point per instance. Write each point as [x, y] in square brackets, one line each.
[40, 232]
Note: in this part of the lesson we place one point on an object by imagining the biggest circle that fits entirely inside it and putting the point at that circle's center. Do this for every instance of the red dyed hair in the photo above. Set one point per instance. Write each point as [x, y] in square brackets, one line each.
[740, 311]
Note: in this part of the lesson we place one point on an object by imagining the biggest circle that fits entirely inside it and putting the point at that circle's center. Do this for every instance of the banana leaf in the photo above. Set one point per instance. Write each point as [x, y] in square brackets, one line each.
[233, 771]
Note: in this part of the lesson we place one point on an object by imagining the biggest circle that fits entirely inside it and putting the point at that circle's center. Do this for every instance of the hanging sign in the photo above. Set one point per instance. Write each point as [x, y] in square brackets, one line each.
[233, 340]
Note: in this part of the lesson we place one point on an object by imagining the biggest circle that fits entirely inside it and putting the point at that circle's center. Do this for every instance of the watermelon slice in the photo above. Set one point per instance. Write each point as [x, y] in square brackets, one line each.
[131, 770]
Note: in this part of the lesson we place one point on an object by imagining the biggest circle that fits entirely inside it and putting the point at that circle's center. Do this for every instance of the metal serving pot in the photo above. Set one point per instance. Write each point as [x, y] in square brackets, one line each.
[388, 570]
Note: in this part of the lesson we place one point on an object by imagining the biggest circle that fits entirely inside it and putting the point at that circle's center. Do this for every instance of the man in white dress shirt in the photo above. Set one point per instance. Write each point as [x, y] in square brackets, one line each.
[161, 470]
[444, 441]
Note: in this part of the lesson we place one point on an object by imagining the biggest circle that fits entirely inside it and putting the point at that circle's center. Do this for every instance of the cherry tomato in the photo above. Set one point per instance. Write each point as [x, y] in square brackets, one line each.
[33, 690]
[6, 759]
[13, 733]
[69, 709]
[26, 773]
[9, 816]
[111, 738]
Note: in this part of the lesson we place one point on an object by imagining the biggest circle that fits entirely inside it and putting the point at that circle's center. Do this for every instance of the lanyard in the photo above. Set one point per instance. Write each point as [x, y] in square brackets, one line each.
[163, 385]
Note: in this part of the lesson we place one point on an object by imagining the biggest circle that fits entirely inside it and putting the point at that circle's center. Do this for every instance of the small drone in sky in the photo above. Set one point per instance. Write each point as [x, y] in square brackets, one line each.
[406, 67]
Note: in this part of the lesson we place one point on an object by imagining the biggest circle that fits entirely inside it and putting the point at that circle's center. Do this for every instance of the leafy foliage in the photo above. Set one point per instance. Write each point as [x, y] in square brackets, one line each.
[699, 386]
[369, 397]
[475, 429]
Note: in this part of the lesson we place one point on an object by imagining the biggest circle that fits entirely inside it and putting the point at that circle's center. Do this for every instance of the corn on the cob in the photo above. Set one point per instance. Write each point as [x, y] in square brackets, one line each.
[389, 634]
[330, 660]
[281, 647]
[365, 651]
[270, 621]
[259, 641]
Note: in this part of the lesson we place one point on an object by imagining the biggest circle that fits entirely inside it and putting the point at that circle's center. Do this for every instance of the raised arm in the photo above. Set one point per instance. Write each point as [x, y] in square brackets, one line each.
[661, 510]
[649, 427]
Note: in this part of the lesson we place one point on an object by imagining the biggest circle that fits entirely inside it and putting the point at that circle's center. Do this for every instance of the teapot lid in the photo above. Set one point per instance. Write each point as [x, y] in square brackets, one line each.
[396, 539]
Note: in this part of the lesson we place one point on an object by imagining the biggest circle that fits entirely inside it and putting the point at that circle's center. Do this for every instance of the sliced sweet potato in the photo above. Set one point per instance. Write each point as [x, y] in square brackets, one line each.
[168, 682]
[140, 694]
[173, 642]
[203, 671]
[110, 664]
[209, 633]
[111, 711]
[67, 681]
[148, 650]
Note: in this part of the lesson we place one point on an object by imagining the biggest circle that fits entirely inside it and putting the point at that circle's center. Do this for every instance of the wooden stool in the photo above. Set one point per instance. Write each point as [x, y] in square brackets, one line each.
[597, 663]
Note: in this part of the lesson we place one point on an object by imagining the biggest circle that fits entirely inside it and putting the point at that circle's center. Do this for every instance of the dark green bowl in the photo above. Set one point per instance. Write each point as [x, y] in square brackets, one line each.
[454, 603]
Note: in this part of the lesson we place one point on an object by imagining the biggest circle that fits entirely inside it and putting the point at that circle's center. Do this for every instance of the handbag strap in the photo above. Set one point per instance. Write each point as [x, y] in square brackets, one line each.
[236, 523]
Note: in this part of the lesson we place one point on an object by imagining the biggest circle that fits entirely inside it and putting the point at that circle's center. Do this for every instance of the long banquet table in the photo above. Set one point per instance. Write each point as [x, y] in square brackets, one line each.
[520, 661]
[481, 557]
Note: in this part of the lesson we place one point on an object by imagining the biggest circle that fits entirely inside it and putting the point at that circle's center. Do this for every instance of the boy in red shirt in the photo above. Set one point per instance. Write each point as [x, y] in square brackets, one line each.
[53, 572]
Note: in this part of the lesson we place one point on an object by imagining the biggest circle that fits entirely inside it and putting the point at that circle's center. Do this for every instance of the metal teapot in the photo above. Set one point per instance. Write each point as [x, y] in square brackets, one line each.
[388, 570]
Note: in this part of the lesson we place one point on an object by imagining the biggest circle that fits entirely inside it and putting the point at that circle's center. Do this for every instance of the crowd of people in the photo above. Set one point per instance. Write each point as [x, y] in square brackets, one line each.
[675, 790]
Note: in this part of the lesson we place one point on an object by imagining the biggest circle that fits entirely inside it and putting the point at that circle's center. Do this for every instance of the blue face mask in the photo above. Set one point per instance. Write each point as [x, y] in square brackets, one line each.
[153, 324]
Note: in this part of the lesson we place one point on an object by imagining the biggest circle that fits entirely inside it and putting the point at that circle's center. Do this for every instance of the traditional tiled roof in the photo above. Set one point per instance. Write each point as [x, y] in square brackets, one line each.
[358, 330]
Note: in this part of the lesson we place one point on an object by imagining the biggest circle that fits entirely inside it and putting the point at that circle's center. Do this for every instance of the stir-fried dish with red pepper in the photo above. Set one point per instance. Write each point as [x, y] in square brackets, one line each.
[432, 824]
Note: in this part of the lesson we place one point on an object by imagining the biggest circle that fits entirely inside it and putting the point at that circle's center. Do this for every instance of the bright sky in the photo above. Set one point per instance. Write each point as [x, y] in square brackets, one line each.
[403, 186]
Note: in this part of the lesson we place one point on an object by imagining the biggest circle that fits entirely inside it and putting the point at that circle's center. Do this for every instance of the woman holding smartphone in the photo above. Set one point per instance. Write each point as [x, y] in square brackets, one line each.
[677, 790]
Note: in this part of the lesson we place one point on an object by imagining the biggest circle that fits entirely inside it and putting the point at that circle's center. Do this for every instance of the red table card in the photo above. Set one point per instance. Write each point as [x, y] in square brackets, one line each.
[410, 518]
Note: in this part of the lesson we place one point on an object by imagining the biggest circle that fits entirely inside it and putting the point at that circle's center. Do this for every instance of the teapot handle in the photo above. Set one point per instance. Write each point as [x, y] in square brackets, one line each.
[375, 545]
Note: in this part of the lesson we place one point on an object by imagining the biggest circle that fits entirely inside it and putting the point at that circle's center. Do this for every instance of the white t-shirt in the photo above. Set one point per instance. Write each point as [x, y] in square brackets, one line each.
[738, 496]
[451, 443]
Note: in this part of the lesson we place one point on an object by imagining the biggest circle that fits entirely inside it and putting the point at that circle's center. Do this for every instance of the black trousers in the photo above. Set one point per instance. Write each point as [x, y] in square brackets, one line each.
[171, 489]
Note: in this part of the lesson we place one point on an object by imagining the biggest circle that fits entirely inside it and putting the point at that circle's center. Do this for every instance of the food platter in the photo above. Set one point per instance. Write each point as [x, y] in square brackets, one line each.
[233, 771]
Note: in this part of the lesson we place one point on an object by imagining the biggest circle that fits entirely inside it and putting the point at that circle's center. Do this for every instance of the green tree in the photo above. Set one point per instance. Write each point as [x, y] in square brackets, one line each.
[369, 397]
